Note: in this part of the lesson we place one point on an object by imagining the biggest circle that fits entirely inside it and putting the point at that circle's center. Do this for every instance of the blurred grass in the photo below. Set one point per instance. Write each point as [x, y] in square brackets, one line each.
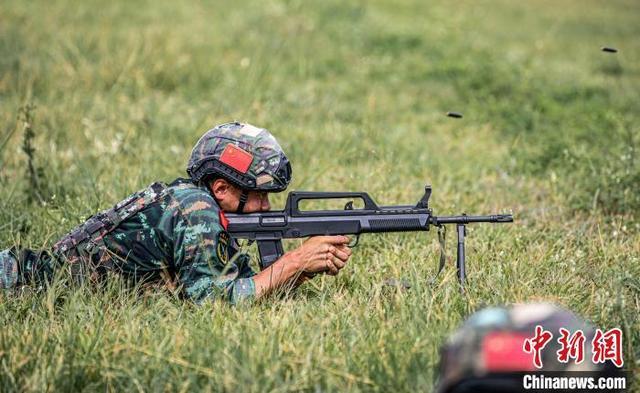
[356, 93]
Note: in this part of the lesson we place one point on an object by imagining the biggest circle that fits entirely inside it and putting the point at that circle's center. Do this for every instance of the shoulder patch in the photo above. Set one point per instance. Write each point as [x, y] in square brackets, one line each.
[222, 246]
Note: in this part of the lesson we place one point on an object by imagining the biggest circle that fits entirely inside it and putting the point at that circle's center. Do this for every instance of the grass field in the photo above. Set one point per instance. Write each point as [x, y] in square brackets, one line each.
[118, 92]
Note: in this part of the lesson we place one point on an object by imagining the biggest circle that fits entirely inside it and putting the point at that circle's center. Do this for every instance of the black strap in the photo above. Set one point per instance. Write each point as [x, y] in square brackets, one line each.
[215, 167]
[442, 234]
[243, 199]
[88, 235]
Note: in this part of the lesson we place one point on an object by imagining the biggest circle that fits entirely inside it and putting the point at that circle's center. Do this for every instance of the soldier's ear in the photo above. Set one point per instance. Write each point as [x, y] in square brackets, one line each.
[221, 189]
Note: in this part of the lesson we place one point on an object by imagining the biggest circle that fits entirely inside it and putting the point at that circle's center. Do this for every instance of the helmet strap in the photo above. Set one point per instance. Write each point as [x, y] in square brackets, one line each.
[243, 199]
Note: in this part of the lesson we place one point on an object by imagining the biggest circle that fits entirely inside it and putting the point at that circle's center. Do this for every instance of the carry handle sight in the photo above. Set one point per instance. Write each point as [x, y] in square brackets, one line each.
[292, 206]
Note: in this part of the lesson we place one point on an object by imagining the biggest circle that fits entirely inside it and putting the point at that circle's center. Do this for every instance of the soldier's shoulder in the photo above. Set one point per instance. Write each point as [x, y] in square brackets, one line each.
[189, 197]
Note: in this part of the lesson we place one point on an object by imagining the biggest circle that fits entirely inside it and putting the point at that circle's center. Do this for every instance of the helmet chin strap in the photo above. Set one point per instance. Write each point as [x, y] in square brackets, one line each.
[243, 200]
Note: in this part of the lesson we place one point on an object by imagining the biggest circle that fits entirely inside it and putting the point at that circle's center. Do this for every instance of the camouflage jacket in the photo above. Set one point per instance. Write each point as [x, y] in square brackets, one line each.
[178, 238]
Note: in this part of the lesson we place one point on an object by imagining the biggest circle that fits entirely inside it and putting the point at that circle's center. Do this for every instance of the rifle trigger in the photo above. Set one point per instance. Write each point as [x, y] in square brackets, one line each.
[348, 205]
[352, 245]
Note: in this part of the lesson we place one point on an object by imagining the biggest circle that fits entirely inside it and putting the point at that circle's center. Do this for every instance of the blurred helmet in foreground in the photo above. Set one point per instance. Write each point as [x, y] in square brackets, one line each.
[486, 354]
[247, 156]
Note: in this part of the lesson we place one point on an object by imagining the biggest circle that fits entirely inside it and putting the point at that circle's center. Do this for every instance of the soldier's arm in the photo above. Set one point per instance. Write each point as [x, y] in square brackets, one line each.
[319, 254]
[205, 270]
[284, 271]
[200, 249]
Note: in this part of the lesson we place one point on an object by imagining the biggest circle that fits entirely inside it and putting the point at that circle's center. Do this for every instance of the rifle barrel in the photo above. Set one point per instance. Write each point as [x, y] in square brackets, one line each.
[464, 219]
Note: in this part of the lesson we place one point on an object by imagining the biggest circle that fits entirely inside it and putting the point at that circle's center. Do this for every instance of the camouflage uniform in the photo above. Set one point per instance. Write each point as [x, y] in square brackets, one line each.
[178, 238]
[174, 234]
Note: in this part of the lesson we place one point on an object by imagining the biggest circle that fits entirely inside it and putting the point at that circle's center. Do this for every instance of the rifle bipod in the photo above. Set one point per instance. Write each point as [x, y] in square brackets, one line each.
[461, 231]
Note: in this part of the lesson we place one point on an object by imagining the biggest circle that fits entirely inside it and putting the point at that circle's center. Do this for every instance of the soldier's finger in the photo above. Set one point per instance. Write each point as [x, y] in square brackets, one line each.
[338, 263]
[345, 248]
[340, 254]
[337, 240]
[332, 270]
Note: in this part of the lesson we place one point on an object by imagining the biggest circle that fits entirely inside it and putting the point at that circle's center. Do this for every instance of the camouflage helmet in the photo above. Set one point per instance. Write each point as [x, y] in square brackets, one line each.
[248, 156]
[486, 354]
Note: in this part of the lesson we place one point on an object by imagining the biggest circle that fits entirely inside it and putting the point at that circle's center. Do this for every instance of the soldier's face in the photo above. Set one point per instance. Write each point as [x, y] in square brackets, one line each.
[228, 197]
[256, 202]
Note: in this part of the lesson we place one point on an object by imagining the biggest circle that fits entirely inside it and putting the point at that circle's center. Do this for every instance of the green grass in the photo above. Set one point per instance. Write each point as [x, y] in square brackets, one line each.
[356, 93]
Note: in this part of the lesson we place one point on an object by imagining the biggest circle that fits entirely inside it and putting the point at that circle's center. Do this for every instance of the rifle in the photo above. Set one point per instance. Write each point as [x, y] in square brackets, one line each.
[269, 228]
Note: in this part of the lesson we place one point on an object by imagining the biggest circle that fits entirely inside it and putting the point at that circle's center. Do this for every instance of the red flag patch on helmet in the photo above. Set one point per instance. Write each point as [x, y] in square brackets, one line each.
[236, 158]
[502, 351]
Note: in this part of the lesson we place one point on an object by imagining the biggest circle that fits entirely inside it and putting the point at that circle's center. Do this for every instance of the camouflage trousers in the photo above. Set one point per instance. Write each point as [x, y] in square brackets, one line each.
[22, 267]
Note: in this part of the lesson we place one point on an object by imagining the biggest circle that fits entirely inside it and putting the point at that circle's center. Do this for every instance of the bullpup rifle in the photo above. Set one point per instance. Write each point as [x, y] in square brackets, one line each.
[269, 228]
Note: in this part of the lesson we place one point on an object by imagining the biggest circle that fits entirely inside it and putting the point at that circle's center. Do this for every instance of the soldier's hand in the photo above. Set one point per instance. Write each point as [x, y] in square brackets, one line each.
[319, 254]
[323, 254]
[341, 254]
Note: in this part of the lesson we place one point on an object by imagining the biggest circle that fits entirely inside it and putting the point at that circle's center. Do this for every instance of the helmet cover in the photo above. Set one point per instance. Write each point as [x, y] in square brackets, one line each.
[248, 156]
